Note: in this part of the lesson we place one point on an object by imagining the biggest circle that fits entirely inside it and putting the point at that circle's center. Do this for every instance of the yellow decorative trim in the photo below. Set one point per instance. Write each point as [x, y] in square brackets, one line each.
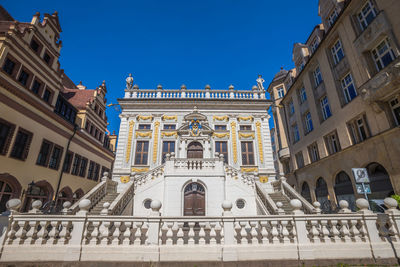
[144, 134]
[263, 179]
[155, 141]
[129, 144]
[234, 146]
[169, 134]
[221, 135]
[134, 169]
[220, 118]
[249, 118]
[169, 118]
[255, 169]
[144, 118]
[124, 179]
[259, 141]
[246, 135]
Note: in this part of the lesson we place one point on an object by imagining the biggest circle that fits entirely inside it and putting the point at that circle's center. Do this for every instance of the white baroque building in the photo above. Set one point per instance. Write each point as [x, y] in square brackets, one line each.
[200, 147]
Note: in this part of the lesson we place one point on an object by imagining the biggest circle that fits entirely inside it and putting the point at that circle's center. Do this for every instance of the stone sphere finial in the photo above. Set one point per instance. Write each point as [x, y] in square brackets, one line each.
[343, 204]
[84, 204]
[155, 205]
[13, 204]
[279, 204]
[159, 87]
[390, 203]
[183, 87]
[227, 205]
[362, 204]
[208, 87]
[316, 204]
[296, 205]
[231, 87]
[66, 205]
[254, 88]
[37, 204]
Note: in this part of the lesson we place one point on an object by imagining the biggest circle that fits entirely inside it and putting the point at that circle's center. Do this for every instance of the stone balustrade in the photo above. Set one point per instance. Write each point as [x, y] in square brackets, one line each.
[183, 93]
[362, 236]
[177, 166]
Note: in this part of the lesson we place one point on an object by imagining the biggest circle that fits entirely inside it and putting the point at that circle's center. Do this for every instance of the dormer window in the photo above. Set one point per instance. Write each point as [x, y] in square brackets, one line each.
[366, 15]
[314, 46]
[332, 17]
[280, 91]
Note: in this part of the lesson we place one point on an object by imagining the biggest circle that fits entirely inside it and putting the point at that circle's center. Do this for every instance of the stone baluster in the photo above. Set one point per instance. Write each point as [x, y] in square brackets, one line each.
[12, 232]
[274, 231]
[243, 233]
[191, 233]
[313, 232]
[21, 232]
[213, 233]
[170, 234]
[126, 237]
[202, 233]
[325, 231]
[264, 232]
[95, 233]
[115, 235]
[344, 230]
[42, 233]
[354, 232]
[138, 233]
[31, 232]
[63, 235]
[180, 234]
[285, 232]
[53, 234]
[334, 231]
[253, 232]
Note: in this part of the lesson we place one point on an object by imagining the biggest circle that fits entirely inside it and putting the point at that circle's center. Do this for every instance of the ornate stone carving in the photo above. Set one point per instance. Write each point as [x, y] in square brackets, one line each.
[144, 118]
[129, 144]
[260, 83]
[135, 169]
[169, 134]
[155, 140]
[259, 141]
[124, 179]
[221, 135]
[234, 145]
[253, 169]
[221, 118]
[144, 134]
[169, 118]
[246, 135]
[249, 118]
[263, 179]
[129, 81]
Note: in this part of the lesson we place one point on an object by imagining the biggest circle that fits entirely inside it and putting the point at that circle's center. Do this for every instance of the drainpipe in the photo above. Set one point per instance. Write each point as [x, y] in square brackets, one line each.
[53, 206]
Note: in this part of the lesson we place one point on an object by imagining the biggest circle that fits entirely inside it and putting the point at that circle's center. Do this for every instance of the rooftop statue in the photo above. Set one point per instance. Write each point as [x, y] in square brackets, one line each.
[129, 81]
[260, 82]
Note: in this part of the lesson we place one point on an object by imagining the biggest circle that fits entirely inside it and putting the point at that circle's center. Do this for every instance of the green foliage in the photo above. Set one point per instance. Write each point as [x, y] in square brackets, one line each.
[397, 198]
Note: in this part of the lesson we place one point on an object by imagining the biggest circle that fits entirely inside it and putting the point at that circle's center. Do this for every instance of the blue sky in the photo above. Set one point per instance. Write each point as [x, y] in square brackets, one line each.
[174, 42]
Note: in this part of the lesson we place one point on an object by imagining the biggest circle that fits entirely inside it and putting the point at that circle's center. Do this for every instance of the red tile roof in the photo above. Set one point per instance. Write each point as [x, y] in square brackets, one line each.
[79, 98]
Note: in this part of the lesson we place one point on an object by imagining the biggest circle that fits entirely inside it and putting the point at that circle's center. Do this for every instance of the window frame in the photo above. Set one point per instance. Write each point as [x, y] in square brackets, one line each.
[27, 144]
[58, 159]
[317, 74]
[219, 146]
[332, 20]
[168, 150]
[332, 143]
[280, 92]
[142, 157]
[83, 167]
[308, 122]
[302, 95]
[377, 57]
[394, 104]
[69, 156]
[325, 114]
[299, 155]
[345, 88]
[248, 155]
[44, 156]
[364, 17]
[313, 152]
[144, 126]
[8, 137]
[337, 52]
[355, 132]
[76, 167]
[295, 133]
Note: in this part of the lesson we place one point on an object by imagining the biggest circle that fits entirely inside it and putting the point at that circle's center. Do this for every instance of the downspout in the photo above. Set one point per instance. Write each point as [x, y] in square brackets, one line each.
[62, 168]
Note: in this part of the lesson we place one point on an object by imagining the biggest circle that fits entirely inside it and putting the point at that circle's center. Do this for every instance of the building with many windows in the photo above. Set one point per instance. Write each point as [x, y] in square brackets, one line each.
[339, 109]
[53, 141]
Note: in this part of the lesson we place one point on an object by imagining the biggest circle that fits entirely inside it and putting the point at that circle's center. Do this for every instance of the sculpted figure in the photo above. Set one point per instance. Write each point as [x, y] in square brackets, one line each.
[129, 81]
[260, 82]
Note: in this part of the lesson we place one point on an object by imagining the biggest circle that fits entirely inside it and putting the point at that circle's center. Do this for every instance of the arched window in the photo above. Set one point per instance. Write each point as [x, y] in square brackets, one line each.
[39, 191]
[9, 188]
[195, 150]
[194, 200]
[344, 189]
[321, 192]
[381, 186]
[64, 195]
[305, 192]
[77, 195]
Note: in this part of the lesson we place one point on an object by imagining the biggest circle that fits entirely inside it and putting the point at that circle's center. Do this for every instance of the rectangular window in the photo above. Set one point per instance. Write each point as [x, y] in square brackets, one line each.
[280, 91]
[168, 147]
[395, 106]
[222, 148]
[9, 66]
[317, 77]
[34, 45]
[308, 122]
[90, 174]
[300, 160]
[220, 127]
[47, 58]
[326, 109]
[144, 126]
[6, 132]
[247, 153]
[46, 95]
[76, 164]
[245, 127]
[23, 77]
[313, 152]
[332, 143]
[303, 95]
[291, 107]
[332, 17]
[82, 169]
[337, 52]
[358, 129]
[383, 54]
[314, 45]
[21, 145]
[366, 15]
[44, 153]
[295, 133]
[169, 126]
[142, 151]
[55, 158]
[36, 87]
[96, 172]
[348, 87]
[68, 162]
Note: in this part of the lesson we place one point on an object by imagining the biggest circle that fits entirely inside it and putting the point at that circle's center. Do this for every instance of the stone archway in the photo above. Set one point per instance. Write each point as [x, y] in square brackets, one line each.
[195, 151]
[194, 200]
[42, 191]
[322, 195]
[344, 189]
[305, 192]
[9, 188]
[381, 186]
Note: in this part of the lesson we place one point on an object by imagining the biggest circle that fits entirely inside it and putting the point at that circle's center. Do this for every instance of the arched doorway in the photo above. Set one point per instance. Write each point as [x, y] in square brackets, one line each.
[64, 195]
[194, 200]
[39, 191]
[9, 188]
[77, 195]
[305, 192]
[344, 189]
[321, 192]
[195, 151]
[381, 186]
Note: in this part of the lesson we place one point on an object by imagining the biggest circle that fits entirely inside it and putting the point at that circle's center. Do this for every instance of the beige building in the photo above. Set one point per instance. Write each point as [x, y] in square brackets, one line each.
[340, 107]
[53, 141]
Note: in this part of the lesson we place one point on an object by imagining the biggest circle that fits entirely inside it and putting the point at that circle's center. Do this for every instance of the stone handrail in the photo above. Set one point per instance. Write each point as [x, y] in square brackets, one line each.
[194, 93]
[233, 172]
[123, 198]
[291, 193]
[298, 237]
[195, 164]
[94, 195]
[154, 173]
[267, 201]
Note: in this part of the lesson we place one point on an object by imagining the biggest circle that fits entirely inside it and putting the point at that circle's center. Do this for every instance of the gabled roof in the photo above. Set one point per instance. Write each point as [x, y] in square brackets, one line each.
[4, 15]
[79, 98]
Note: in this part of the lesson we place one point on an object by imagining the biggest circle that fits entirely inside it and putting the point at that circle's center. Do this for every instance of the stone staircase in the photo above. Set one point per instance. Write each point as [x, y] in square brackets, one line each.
[109, 197]
[279, 197]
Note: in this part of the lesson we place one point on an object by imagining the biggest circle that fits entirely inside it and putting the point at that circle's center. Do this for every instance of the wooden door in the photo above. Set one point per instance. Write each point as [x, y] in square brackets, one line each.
[194, 200]
[195, 151]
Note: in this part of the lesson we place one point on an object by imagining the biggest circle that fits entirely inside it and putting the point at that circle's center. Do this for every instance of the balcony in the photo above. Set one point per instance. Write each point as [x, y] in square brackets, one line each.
[182, 167]
[379, 27]
[284, 153]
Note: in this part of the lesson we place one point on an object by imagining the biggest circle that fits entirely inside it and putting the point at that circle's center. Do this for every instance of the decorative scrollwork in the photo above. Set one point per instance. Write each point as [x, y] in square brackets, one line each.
[263, 179]
[155, 141]
[221, 135]
[134, 169]
[169, 118]
[144, 134]
[259, 141]
[129, 144]
[246, 135]
[169, 134]
[249, 118]
[254, 169]
[221, 118]
[124, 179]
[144, 118]
[234, 145]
